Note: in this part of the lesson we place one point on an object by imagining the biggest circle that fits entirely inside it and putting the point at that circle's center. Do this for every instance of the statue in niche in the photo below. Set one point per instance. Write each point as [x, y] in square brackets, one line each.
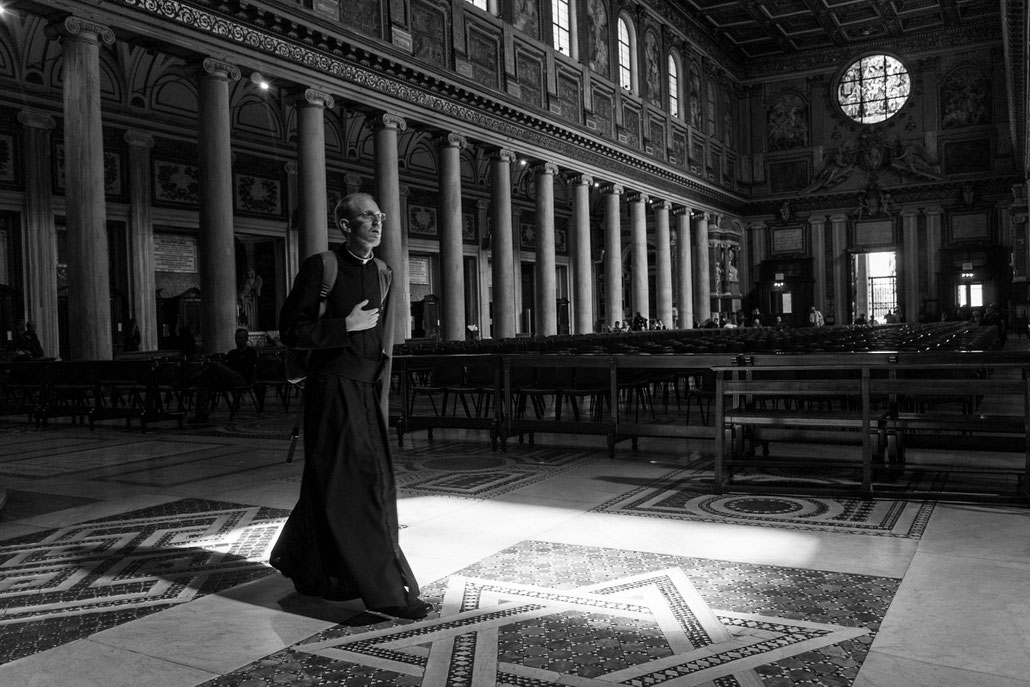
[247, 298]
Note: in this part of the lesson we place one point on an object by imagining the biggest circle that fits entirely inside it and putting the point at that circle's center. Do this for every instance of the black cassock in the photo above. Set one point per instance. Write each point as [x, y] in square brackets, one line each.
[341, 539]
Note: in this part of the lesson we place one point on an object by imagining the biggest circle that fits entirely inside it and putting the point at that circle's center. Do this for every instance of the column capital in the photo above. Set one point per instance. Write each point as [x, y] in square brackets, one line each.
[663, 205]
[816, 221]
[612, 189]
[503, 155]
[217, 69]
[637, 197]
[405, 191]
[352, 180]
[386, 120]
[80, 29]
[482, 203]
[583, 180]
[933, 211]
[759, 226]
[906, 213]
[290, 167]
[838, 219]
[311, 97]
[450, 140]
[545, 168]
[36, 119]
[139, 139]
[680, 210]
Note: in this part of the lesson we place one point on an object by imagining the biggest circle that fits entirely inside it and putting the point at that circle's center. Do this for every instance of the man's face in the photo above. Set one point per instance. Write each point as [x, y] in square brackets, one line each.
[242, 339]
[363, 226]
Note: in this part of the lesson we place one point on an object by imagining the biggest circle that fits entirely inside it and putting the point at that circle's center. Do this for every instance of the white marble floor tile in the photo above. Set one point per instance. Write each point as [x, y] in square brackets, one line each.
[86, 663]
[961, 612]
[882, 670]
[218, 633]
[980, 531]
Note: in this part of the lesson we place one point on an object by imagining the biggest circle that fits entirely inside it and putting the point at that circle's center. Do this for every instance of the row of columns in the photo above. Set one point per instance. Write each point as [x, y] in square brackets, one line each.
[89, 309]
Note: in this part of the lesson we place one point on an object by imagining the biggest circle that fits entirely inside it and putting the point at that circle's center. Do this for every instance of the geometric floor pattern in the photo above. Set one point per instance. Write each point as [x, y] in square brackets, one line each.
[467, 469]
[67, 583]
[540, 614]
[686, 494]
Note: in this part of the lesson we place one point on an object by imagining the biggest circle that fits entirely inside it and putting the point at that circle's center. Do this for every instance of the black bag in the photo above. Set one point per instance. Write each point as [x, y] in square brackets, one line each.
[297, 360]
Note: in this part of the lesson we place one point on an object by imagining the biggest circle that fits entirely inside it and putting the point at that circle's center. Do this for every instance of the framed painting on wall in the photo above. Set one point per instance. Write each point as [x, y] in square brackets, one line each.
[788, 175]
[176, 183]
[8, 160]
[422, 220]
[261, 196]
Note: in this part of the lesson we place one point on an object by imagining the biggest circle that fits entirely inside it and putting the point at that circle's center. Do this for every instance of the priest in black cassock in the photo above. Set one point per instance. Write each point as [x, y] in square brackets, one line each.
[341, 540]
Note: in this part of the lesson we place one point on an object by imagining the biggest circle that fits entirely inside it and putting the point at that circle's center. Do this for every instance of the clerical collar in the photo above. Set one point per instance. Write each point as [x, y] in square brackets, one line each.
[363, 261]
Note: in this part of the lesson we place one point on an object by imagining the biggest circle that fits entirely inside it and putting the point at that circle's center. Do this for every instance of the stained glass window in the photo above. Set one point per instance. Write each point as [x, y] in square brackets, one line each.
[874, 88]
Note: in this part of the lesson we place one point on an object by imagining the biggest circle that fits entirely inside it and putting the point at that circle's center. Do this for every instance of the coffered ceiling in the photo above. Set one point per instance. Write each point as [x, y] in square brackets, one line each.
[758, 29]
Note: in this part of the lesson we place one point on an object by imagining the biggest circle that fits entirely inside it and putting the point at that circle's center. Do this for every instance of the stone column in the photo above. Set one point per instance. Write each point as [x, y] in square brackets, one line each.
[291, 257]
[313, 210]
[702, 272]
[663, 262]
[502, 247]
[684, 271]
[89, 288]
[546, 315]
[142, 297]
[218, 312]
[40, 244]
[452, 297]
[638, 255]
[392, 249]
[839, 244]
[910, 246]
[933, 258]
[582, 258]
[612, 255]
[817, 225]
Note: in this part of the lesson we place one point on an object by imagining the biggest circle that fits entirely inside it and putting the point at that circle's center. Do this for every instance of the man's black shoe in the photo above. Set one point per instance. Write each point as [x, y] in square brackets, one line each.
[416, 610]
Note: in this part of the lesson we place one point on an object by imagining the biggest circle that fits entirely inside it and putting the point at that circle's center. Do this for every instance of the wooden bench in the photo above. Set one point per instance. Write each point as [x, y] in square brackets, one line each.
[899, 399]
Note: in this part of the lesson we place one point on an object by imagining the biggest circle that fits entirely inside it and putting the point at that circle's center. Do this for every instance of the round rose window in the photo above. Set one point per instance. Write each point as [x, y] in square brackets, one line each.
[874, 88]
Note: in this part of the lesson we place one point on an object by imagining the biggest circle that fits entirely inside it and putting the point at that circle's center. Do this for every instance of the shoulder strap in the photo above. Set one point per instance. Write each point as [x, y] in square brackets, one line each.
[330, 268]
[385, 278]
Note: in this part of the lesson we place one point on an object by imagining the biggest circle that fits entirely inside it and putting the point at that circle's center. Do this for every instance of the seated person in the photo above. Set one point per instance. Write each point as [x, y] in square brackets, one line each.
[237, 369]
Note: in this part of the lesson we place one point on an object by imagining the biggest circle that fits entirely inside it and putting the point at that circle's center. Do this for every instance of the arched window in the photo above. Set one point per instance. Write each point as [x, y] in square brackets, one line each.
[561, 25]
[873, 88]
[626, 62]
[674, 86]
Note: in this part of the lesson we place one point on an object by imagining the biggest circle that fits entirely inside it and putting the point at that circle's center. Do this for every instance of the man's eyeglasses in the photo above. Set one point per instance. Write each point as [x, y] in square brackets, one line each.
[371, 216]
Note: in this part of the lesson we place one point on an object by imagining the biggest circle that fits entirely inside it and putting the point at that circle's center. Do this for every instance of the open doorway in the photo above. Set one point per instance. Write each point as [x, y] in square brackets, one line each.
[874, 292]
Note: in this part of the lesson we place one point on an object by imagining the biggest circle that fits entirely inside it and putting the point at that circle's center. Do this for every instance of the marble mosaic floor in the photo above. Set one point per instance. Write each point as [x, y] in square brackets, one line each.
[130, 558]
